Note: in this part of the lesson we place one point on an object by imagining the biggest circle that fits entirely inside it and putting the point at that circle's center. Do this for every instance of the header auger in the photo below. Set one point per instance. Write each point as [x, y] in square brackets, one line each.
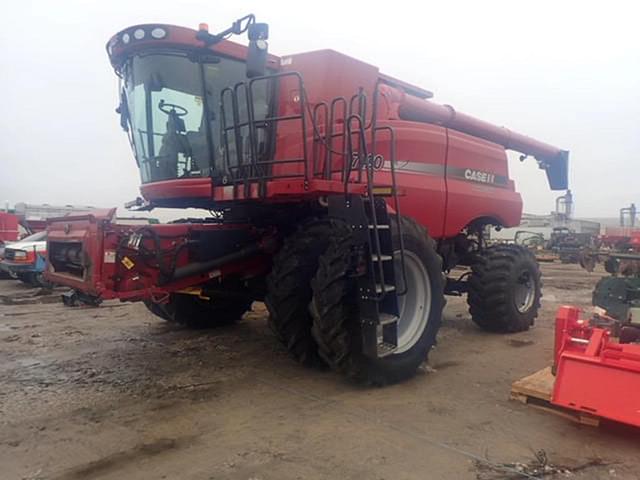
[323, 177]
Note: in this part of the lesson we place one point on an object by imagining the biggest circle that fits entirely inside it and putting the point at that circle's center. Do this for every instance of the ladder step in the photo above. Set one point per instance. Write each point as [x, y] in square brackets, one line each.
[381, 258]
[385, 349]
[387, 288]
[381, 191]
[387, 318]
[384, 226]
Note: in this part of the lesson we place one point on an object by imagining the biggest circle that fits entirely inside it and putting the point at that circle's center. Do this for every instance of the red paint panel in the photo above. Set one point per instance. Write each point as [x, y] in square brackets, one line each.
[328, 74]
[8, 227]
[179, 188]
[420, 164]
[470, 199]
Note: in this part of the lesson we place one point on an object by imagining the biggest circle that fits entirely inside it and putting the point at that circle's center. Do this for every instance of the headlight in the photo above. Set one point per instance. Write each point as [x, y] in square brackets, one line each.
[158, 33]
[138, 34]
[19, 254]
[126, 38]
[112, 43]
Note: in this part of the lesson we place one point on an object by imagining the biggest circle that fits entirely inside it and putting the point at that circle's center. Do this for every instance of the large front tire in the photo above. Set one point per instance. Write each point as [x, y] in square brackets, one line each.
[289, 288]
[337, 327]
[197, 313]
[505, 289]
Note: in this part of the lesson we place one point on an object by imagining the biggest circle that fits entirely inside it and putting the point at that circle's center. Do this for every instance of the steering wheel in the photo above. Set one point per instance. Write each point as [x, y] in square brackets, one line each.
[172, 109]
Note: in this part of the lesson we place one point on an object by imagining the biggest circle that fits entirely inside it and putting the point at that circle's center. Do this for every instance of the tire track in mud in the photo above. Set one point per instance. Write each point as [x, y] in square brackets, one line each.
[119, 460]
[40, 296]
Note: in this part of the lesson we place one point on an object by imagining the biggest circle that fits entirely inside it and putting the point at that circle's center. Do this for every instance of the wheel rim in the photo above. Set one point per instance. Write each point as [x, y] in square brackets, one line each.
[415, 305]
[524, 292]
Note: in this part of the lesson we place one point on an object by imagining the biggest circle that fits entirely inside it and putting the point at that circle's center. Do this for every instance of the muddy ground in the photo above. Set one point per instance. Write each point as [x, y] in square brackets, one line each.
[115, 393]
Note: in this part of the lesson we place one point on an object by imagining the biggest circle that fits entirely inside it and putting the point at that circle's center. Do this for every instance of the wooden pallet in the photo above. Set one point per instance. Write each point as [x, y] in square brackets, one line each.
[535, 390]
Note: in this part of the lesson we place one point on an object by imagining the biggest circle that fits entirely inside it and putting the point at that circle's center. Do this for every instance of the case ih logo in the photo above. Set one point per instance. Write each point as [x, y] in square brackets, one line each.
[459, 173]
[479, 176]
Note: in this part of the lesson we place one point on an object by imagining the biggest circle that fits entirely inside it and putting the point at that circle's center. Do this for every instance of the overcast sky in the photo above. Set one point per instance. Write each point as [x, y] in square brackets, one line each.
[565, 72]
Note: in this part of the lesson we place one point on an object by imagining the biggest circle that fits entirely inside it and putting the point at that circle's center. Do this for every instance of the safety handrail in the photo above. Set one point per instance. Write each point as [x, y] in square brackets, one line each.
[357, 126]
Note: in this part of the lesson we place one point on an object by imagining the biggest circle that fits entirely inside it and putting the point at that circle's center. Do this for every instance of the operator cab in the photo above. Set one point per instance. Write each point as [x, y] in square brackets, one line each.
[172, 83]
[172, 100]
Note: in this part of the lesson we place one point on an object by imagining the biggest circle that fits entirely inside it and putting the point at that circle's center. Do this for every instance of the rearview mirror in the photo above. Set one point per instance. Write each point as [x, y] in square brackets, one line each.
[258, 50]
[123, 111]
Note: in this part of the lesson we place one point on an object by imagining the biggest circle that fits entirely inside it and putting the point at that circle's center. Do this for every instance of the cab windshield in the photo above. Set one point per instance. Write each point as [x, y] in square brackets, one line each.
[173, 108]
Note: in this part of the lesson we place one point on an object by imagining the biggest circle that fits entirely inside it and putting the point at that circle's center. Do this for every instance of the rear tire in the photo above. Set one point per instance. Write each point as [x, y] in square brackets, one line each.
[505, 289]
[337, 328]
[289, 288]
[196, 313]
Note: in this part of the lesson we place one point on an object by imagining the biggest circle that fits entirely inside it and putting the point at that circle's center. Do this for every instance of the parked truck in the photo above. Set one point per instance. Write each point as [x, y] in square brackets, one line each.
[26, 259]
[340, 196]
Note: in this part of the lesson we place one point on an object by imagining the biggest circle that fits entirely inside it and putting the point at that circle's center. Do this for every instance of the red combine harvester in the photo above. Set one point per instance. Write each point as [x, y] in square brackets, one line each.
[339, 196]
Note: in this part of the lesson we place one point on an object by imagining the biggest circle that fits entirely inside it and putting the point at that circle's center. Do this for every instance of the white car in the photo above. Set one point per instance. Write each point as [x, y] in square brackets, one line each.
[26, 259]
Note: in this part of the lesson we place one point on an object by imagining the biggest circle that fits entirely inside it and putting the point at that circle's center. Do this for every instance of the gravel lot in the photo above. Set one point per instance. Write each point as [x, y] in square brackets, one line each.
[115, 393]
